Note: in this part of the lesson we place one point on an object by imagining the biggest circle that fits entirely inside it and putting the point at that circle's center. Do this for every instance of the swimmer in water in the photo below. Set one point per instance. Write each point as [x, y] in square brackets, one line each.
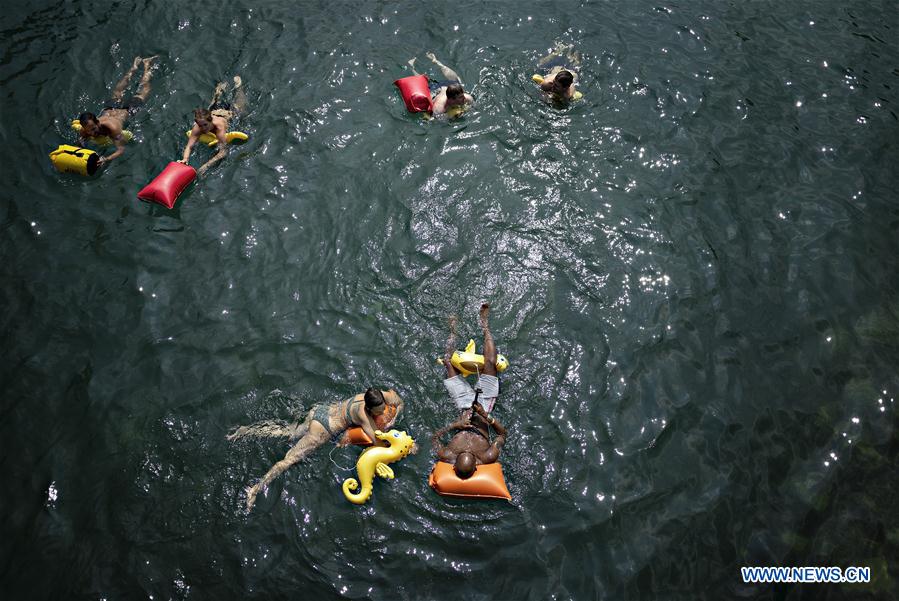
[117, 110]
[471, 445]
[215, 120]
[561, 74]
[322, 423]
[448, 92]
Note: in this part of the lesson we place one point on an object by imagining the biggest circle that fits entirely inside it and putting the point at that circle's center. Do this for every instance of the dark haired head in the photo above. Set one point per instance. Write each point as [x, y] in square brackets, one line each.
[374, 401]
[86, 118]
[454, 90]
[564, 78]
[465, 465]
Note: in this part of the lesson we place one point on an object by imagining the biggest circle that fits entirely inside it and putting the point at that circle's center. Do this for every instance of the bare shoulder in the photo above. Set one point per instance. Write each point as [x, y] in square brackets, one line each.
[392, 397]
[112, 124]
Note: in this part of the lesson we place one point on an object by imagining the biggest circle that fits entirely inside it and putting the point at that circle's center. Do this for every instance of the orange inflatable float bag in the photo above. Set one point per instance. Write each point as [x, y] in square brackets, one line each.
[487, 482]
[169, 184]
[383, 422]
[415, 92]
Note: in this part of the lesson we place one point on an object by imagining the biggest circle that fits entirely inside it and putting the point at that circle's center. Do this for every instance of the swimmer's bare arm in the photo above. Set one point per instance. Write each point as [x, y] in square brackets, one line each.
[469, 99]
[194, 136]
[398, 403]
[439, 104]
[119, 150]
[359, 416]
[491, 455]
[222, 153]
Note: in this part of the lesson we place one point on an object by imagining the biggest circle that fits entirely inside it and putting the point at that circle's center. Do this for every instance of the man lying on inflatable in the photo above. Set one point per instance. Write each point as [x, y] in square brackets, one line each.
[471, 445]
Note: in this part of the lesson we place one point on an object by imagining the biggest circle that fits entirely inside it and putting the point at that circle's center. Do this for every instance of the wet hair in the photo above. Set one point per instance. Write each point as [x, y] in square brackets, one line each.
[454, 90]
[205, 114]
[87, 118]
[373, 398]
[465, 465]
[565, 78]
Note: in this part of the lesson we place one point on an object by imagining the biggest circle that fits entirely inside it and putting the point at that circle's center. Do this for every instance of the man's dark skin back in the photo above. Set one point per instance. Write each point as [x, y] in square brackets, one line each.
[471, 445]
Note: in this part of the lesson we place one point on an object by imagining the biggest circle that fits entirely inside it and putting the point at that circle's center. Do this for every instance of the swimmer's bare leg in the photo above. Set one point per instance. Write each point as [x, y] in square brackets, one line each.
[269, 429]
[220, 88]
[448, 74]
[489, 344]
[313, 439]
[450, 348]
[119, 90]
[574, 57]
[144, 89]
[559, 50]
[411, 63]
[240, 97]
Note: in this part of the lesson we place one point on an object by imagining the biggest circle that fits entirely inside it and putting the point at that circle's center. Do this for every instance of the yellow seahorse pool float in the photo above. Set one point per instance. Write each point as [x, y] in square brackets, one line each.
[469, 362]
[374, 460]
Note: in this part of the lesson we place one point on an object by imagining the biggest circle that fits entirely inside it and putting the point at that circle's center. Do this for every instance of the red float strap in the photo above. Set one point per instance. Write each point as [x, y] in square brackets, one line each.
[415, 92]
[169, 184]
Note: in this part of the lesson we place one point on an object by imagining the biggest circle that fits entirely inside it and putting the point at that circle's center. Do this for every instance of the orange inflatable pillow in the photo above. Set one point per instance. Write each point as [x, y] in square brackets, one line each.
[487, 482]
[383, 422]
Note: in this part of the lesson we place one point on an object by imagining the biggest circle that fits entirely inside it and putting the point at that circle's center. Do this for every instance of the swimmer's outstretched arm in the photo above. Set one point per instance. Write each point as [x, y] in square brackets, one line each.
[194, 136]
[222, 153]
[297, 453]
[119, 150]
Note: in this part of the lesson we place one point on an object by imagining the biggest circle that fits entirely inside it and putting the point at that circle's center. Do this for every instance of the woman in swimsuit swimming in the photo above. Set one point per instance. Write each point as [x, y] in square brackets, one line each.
[323, 422]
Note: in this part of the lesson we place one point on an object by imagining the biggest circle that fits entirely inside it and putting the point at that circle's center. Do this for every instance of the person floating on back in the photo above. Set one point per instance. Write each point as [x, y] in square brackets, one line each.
[215, 120]
[471, 445]
[447, 93]
[117, 110]
[560, 74]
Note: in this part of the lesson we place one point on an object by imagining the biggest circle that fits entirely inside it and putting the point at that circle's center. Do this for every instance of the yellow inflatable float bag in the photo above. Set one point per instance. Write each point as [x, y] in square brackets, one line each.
[538, 79]
[487, 482]
[103, 140]
[73, 159]
[468, 362]
[232, 137]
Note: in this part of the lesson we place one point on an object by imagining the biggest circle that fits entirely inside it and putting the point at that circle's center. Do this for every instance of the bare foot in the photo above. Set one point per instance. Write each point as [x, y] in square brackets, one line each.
[237, 81]
[148, 62]
[136, 62]
[431, 56]
[411, 63]
[483, 314]
[219, 88]
[252, 491]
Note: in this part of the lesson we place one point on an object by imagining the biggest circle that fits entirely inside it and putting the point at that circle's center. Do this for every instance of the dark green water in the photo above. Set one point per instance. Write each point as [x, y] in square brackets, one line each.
[693, 271]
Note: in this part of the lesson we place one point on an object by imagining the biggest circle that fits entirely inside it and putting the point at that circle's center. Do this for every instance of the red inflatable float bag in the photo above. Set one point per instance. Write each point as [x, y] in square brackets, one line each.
[415, 92]
[168, 185]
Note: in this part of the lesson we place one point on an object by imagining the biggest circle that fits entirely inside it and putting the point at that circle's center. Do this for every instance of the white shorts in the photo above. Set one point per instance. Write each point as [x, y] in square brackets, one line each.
[462, 393]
